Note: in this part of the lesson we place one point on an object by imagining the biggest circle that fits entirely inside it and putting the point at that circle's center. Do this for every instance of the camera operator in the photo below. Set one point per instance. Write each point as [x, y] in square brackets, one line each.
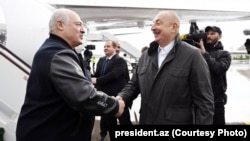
[247, 45]
[88, 55]
[219, 61]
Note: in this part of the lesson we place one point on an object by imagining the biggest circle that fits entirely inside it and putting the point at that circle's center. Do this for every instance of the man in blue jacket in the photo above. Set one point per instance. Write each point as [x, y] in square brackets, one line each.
[61, 101]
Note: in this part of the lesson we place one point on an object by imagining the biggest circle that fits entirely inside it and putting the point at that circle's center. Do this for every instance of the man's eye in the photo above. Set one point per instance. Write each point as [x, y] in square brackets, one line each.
[79, 24]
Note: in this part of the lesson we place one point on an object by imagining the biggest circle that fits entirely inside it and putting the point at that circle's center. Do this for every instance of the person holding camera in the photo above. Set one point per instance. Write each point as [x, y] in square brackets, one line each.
[247, 45]
[219, 61]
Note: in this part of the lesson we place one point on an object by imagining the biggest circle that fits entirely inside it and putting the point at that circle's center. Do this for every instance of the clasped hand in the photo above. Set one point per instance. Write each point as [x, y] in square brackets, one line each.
[121, 106]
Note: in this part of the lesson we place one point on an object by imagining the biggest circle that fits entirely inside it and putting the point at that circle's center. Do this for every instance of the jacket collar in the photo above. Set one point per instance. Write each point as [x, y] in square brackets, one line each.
[153, 51]
[55, 37]
[219, 46]
[153, 47]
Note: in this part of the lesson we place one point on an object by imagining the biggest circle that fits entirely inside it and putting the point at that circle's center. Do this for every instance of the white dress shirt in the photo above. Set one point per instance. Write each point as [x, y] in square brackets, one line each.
[163, 52]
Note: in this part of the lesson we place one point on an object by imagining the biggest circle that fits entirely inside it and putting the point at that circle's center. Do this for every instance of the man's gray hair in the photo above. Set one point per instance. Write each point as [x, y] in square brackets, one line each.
[62, 15]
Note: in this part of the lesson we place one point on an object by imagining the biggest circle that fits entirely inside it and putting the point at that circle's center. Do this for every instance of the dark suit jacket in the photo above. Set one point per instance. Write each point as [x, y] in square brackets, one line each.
[116, 75]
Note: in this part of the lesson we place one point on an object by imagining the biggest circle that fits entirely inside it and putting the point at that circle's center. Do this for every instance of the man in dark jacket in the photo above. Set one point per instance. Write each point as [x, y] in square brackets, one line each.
[61, 101]
[172, 78]
[111, 80]
[219, 61]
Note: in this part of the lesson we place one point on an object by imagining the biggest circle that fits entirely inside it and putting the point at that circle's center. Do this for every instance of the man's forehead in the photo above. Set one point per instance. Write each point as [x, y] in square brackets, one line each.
[108, 43]
[74, 15]
[78, 18]
[159, 17]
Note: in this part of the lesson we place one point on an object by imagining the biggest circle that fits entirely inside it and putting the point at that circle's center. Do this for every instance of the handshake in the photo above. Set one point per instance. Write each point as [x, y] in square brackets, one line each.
[247, 45]
[118, 98]
[121, 106]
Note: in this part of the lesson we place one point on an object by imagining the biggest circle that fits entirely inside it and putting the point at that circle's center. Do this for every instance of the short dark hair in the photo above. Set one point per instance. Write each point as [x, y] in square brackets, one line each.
[114, 43]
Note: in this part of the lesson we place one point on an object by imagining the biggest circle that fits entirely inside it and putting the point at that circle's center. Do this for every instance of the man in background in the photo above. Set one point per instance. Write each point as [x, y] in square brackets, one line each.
[93, 60]
[219, 61]
[111, 77]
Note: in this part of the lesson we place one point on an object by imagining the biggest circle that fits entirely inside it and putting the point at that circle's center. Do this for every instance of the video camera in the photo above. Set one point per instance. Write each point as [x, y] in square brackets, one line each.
[194, 35]
[88, 53]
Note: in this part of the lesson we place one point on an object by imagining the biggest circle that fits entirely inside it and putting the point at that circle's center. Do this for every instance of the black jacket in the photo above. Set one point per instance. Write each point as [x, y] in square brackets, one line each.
[116, 75]
[60, 103]
[219, 61]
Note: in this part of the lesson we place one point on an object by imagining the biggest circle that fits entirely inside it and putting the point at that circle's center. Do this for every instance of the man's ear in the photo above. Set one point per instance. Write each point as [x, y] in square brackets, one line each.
[59, 25]
[175, 27]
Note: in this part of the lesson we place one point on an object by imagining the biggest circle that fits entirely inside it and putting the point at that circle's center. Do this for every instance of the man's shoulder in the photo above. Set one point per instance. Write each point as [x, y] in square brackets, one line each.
[224, 53]
[119, 59]
[187, 48]
[102, 58]
[221, 50]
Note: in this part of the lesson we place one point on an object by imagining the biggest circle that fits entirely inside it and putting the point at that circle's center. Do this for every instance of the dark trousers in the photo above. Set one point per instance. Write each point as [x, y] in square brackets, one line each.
[219, 114]
[109, 121]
